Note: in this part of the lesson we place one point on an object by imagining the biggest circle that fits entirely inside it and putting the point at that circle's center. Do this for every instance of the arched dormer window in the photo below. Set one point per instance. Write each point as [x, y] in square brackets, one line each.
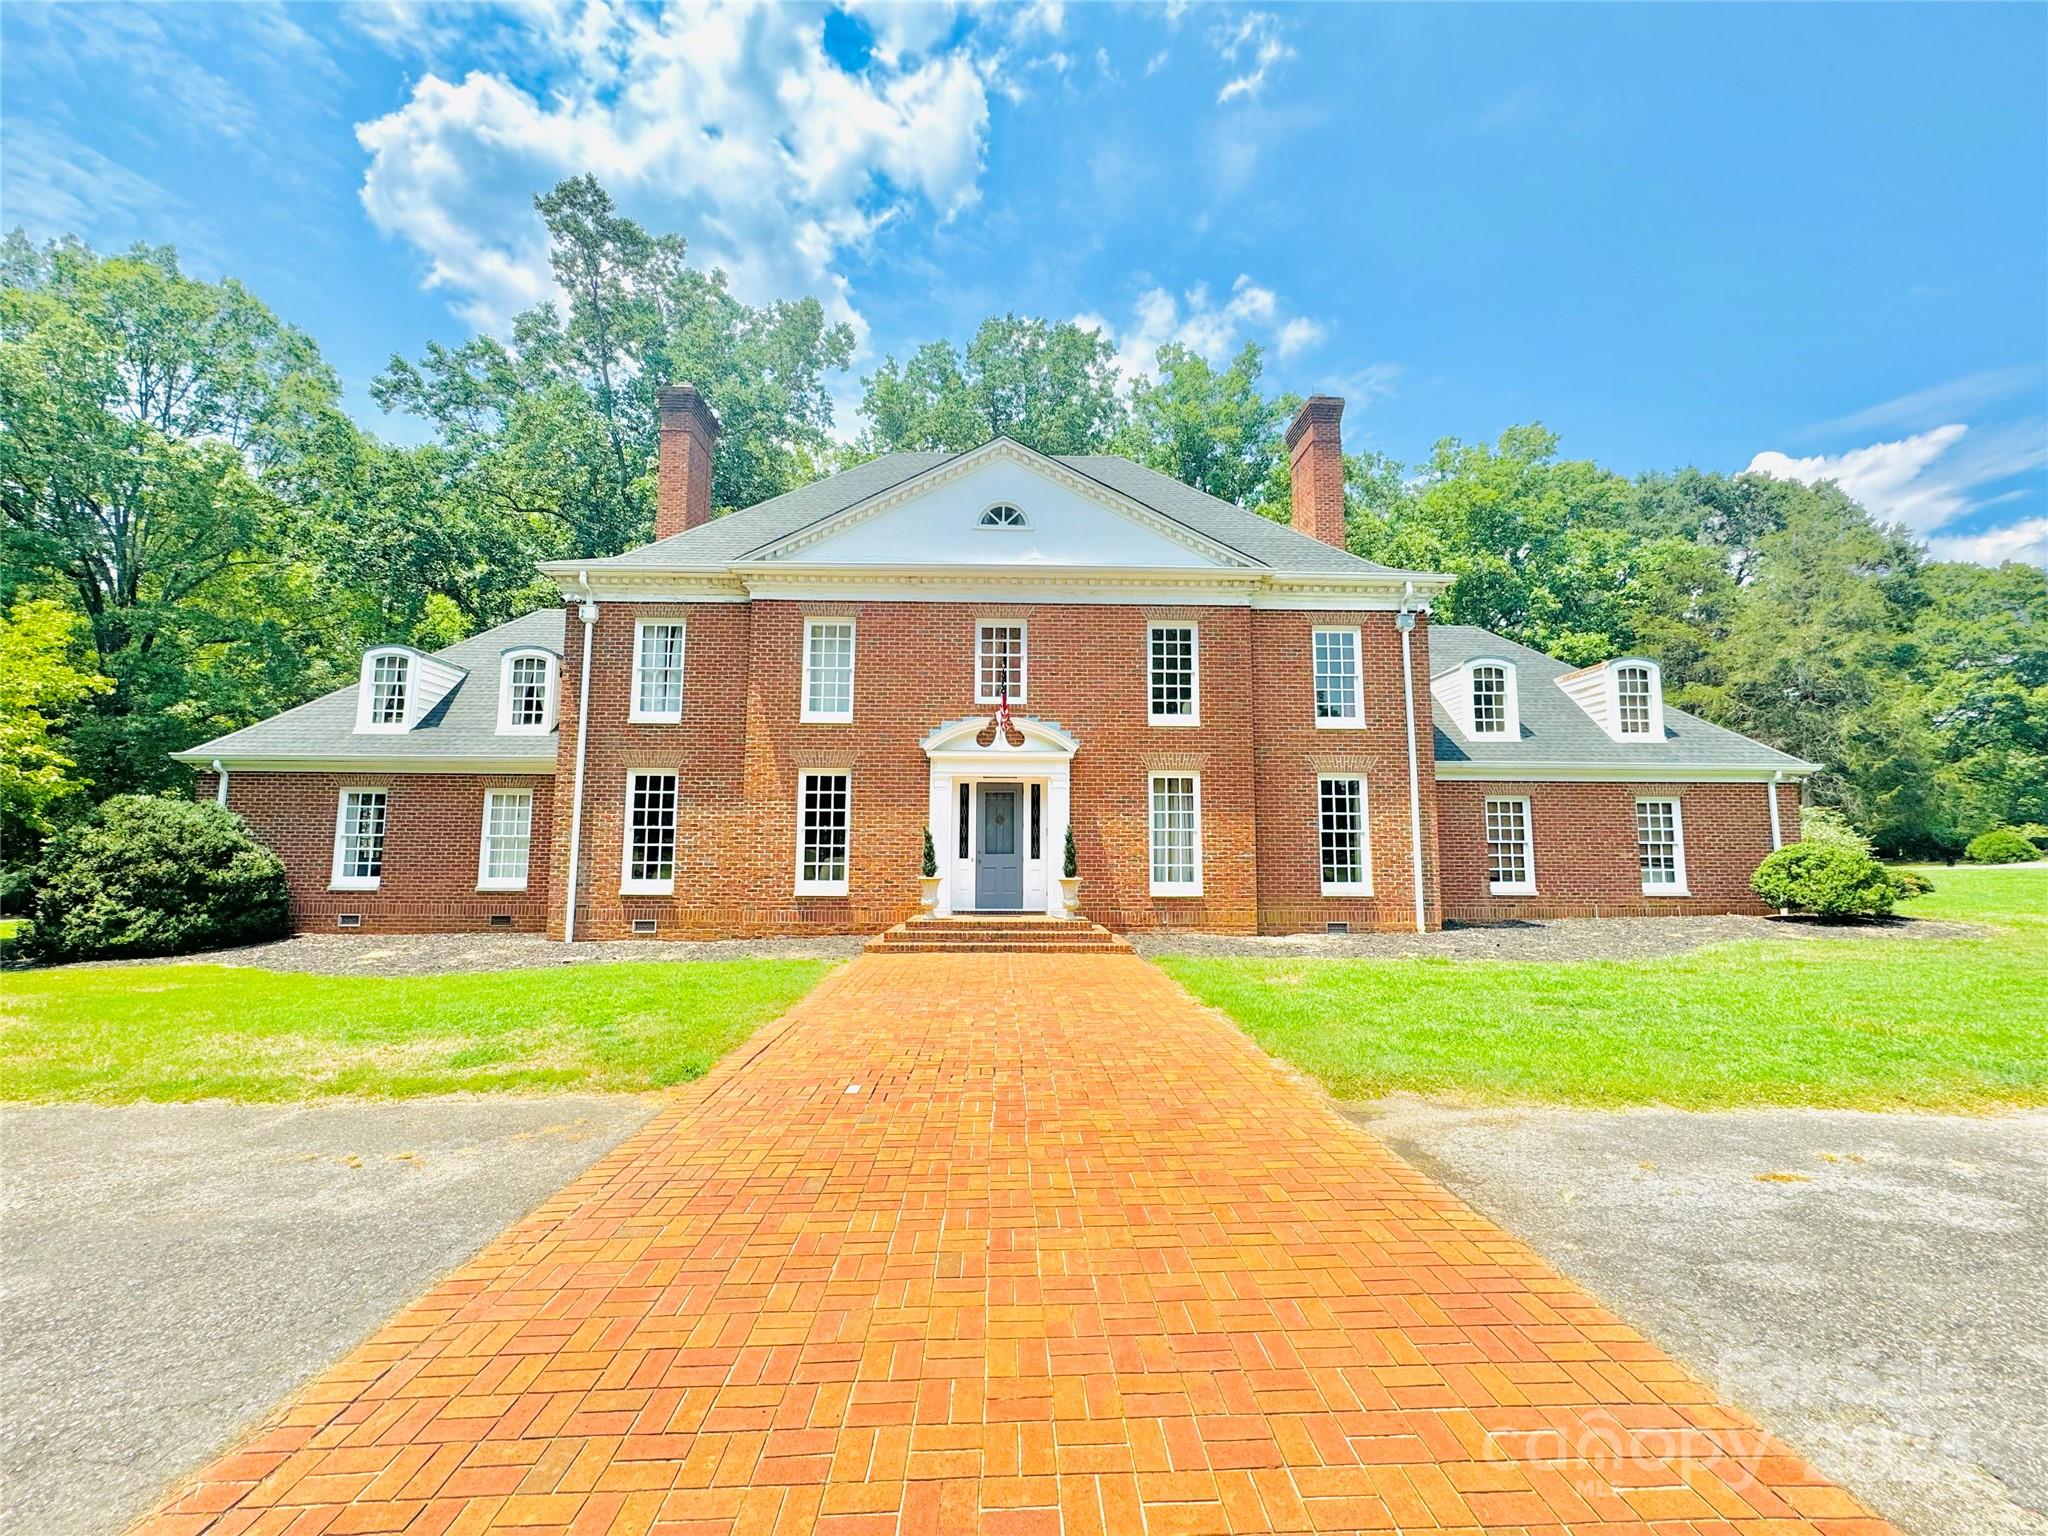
[1638, 702]
[526, 693]
[1003, 515]
[1494, 712]
[386, 691]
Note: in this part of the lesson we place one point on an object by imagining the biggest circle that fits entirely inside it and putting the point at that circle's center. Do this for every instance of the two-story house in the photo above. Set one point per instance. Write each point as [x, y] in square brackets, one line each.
[748, 725]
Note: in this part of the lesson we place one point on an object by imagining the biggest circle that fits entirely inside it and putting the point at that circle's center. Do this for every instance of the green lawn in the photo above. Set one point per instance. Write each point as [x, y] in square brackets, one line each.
[1846, 1023]
[178, 1032]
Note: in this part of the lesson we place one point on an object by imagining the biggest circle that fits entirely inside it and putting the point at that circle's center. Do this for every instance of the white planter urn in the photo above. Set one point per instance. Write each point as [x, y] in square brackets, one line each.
[1070, 895]
[928, 891]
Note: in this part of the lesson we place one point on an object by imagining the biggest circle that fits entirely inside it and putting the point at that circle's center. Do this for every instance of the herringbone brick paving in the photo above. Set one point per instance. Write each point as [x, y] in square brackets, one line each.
[1006, 1243]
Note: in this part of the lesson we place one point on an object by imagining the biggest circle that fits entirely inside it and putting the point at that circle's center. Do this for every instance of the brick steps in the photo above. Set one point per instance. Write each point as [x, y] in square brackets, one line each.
[971, 935]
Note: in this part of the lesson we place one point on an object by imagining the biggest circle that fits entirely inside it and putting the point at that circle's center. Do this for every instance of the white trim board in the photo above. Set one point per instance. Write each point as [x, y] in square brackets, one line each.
[1579, 773]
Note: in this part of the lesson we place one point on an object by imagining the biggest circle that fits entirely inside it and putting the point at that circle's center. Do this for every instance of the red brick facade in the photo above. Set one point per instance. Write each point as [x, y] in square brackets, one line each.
[740, 750]
[1584, 842]
[434, 828]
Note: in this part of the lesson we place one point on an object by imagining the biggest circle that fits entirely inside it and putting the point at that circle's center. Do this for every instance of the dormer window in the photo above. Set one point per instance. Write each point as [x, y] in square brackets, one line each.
[1003, 515]
[1482, 697]
[526, 696]
[390, 677]
[401, 687]
[1634, 693]
[1625, 698]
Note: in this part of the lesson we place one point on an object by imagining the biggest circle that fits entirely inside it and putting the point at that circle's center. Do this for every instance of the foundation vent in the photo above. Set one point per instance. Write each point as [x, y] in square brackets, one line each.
[348, 920]
[1336, 927]
[501, 919]
[643, 925]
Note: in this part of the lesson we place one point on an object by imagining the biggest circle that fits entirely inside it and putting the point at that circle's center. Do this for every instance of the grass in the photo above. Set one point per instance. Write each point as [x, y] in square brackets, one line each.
[117, 1034]
[1870, 1023]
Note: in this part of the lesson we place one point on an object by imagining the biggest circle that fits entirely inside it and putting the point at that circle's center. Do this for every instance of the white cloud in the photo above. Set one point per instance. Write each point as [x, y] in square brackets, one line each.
[54, 185]
[727, 123]
[1925, 481]
[2025, 541]
[1941, 402]
[1253, 43]
[1196, 320]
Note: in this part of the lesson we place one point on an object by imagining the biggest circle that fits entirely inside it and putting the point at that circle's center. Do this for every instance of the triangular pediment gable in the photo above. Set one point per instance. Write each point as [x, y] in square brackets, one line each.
[1068, 519]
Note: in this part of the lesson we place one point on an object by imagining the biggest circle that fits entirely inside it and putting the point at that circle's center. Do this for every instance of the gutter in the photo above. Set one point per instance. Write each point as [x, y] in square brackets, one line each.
[1777, 831]
[1405, 622]
[586, 610]
[220, 788]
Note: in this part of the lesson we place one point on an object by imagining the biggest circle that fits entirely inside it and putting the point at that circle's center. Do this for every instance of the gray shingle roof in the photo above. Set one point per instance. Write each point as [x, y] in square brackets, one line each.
[463, 725]
[1556, 732]
[726, 539]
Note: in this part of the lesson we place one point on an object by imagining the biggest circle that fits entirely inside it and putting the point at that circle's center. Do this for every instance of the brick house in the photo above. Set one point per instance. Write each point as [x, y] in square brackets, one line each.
[748, 725]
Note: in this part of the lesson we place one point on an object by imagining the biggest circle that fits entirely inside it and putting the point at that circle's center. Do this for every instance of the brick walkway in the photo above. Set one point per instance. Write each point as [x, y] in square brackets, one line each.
[1007, 1244]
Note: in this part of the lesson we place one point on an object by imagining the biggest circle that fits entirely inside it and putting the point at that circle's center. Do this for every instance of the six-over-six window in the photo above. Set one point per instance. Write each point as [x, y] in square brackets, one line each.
[1339, 696]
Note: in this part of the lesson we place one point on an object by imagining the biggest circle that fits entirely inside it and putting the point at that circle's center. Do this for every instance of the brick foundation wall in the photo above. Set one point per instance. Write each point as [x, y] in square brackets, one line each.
[1584, 842]
[433, 825]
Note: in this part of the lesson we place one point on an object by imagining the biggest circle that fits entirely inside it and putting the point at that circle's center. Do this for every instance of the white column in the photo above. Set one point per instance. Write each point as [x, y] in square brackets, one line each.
[1056, 813]
[944, 836]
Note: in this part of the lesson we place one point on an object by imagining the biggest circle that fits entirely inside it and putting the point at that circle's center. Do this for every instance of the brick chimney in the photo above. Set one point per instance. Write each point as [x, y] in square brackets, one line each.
[1315, 451]
[682, 494]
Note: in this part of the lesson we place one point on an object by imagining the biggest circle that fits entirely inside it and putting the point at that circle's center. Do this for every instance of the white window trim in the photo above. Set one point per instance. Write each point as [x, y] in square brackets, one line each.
[805, 713]
[336, 880]
[634, 713]
[1513, 887]
[484, 882]
[627, 885]
[838, 887]
[1023, 518]
[1194, 714]
[1171, 887]
[1356, 720]
[1511, 701]
[1656, 701]
[365, 691]
[1023, 629]
[1363, 885]
[1683, 886]
[547, 659]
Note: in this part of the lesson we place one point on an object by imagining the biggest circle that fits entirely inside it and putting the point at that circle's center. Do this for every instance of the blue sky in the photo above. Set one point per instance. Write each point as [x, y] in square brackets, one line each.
[1674, 234]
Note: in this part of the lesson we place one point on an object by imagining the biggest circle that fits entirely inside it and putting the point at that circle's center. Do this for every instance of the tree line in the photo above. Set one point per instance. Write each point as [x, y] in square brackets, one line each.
[198, 535]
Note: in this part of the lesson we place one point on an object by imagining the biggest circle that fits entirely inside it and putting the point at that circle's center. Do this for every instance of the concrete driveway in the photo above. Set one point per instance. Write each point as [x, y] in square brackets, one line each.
[169, 1271]
[1871, 1286]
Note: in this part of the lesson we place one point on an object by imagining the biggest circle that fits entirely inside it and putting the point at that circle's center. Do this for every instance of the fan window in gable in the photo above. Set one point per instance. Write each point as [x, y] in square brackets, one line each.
[1003, 515]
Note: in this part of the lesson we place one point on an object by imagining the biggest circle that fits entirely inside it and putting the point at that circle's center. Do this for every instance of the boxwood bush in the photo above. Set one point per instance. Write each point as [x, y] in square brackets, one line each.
[1828, 879]
[147, 876]
[2001, 845]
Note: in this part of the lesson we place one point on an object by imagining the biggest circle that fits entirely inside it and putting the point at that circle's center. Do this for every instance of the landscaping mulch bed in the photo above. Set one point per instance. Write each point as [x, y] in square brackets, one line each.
[1563, 938]
[441, 954]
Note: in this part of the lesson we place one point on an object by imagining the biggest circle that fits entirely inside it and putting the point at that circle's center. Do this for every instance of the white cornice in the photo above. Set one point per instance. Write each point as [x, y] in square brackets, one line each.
[1001, 450]
[271, 762]
[1632, 773]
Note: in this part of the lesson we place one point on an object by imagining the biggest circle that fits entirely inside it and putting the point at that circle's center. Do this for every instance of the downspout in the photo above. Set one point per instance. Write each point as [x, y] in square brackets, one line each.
[1777, 831]
[586, 610]
[220, 787]
[1405, 622]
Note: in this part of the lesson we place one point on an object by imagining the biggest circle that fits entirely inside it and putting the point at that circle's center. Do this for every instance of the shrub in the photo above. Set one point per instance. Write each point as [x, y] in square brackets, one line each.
[1826, 879]
[1910, 883]
[931, 857]
[1070, 859]
[145, 876]
[2001, 845]
[1824, 824]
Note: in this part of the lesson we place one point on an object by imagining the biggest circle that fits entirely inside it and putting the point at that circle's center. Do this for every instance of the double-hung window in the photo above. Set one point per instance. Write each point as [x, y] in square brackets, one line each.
[1174, 674]
[1176, 834]
[823, 832]
[1632, 701]
[359, 840]
[390, 678]
[1346, 849]
[999, 663]
[657, 671]
[526, 705]
[1489, 700]
[828, 670]
[507, 840]
[1339, 694]
[650, 863]
[1660, 847]
[1510, 861]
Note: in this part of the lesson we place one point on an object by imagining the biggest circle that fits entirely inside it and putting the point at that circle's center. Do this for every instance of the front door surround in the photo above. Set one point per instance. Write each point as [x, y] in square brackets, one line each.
[1034, 758]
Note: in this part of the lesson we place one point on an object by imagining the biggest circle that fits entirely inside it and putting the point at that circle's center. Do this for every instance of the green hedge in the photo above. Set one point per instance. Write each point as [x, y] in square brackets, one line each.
[145, 876]
[1827, 879]
[2001, 845]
